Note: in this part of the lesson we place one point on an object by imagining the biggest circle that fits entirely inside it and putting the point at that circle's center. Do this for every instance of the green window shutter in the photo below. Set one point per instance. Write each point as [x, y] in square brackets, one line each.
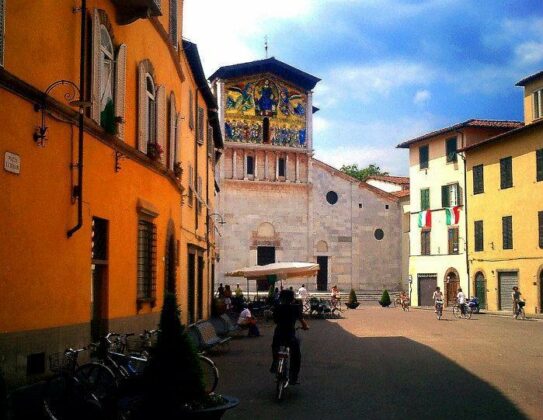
[425, 199]
[506, 173]
[540, 217]
[478, 229]
[445, 200]
[423, 157]
[478, 180]
[507, 232]
[450, 148]
[539, 164]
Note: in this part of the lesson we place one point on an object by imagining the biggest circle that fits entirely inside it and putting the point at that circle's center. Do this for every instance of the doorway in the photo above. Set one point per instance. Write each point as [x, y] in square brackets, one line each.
[322, 276]
[506, 281]
[264, 255]
[99, 278]
[425, 288]
[452, 283]
[480, 289]
[170, 266]
[191, 314]
[200, 286]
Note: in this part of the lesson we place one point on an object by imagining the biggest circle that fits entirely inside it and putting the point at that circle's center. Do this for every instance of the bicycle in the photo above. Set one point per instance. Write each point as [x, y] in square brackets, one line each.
[282, 373]
[439, 309]
[71, 393]
[461, 310]
[520, 310]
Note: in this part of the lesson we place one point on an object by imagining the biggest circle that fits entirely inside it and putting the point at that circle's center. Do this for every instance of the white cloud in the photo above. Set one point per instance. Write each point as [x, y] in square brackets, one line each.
[530, 52]
[422, 97]
[320, 124]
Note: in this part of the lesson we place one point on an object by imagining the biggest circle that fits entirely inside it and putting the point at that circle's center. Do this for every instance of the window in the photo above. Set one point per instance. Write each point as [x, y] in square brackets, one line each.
[479, 235]
[453, 240]
[146, 260]
[173, 23]
[379, 234]
[450, 147]
[210, 145]
[107, 111]
[281, 167]
[249, 164]
[150, 135]
[266, 130]
[331, 197]
[540, 218]
[506, 173]
[199, 198]
[478, 180]
[191, 111]
[538, 104]
[423, 157]
[539, 164]
[174, 134]
[201, 127]
[425, 199]
[191, 186]
[507, 232]
[2, 25]
[450, 195]
[425, 242]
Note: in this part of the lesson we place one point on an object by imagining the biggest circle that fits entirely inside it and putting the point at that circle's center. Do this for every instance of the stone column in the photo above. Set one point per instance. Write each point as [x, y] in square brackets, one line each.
[297, 174]
[265, 165]
[286, 168]
[244, 164]
[255, 163]
[234, 165]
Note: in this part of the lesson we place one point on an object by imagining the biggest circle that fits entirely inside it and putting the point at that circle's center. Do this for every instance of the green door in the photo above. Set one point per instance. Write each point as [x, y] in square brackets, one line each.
[480, 290]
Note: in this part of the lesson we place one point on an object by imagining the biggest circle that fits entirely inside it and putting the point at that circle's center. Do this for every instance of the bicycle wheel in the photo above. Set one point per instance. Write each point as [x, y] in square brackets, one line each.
[98, 379]
[467, 313]
[282, 378]
[456, 311]
[211, 373]
[65, 398]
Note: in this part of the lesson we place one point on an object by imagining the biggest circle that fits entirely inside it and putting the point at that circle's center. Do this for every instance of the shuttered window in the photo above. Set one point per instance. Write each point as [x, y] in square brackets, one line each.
[507, 232]
[200, 200]
[425, 199]
[540, 218]
[425, 242]
[538, 104]
[161, 122]
[172, 139]
[210, 147]
[453, 240]
[120, 90]
[147, 107]
[201, 126]
[478, 180]
[146, 260]
[451, 149]
[173, 23]
[539, 164]
[479, 235]
[450, 195]
[2, 30]
[191, 111]
[506, 172]
[423, 157]
[191, 186]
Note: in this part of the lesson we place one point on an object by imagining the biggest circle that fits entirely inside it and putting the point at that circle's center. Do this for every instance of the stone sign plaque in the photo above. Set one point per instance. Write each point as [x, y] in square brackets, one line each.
[12, 162]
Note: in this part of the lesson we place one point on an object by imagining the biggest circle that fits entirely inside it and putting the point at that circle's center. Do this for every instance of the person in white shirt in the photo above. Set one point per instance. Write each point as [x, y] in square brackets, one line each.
[246, 320]
[438, 298]
[302, 292]
[461, 299]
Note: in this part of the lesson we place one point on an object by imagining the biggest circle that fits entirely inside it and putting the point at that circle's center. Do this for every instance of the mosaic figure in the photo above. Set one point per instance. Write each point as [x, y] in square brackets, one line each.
[285, 103]
[240, 98]
[266, 103]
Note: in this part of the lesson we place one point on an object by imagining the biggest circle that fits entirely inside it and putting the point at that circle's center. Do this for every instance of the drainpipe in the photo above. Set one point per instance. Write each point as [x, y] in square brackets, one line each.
[463, 156]
[78, 190]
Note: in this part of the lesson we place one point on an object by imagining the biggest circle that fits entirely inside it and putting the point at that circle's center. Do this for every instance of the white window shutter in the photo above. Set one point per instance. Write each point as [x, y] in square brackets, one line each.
[161, 121]
[142, 108]
[2, 30]
[172, 124]
[96, 66]
[120, 89]
[177, 143]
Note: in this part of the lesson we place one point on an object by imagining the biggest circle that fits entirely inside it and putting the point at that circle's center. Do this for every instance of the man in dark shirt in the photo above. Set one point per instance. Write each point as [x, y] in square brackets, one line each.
[285, 316]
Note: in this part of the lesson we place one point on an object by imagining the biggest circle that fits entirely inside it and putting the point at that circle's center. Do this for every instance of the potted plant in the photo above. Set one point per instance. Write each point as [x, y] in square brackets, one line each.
[177, 170]
[352, 302]
[154, 151]
[385, 299]
[173, 380]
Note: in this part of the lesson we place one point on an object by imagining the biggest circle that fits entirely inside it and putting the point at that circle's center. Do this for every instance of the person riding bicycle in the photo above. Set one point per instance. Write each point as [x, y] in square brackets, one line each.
[461, 299]
[438, 298]
[515, 296]
[285, 316]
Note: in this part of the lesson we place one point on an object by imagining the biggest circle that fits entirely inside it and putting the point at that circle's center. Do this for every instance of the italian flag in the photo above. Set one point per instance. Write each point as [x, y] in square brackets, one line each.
[453, 215]
[425, 218]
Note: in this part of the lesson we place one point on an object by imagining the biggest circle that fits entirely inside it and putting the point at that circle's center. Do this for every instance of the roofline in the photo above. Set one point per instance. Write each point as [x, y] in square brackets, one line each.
[361, 184]
[380, 178]
[528, 79]
[501, 136]
[195, 64]
[455, 127]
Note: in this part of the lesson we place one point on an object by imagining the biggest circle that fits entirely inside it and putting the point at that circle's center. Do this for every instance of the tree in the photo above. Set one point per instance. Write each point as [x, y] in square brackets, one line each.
[362, 173]
[385, 299]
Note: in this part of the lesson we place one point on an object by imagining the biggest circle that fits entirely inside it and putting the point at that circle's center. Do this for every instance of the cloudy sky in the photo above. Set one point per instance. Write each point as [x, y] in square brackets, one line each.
[391, 69]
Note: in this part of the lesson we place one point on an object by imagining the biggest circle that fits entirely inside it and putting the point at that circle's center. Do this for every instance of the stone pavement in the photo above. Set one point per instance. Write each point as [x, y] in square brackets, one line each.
[380, 363]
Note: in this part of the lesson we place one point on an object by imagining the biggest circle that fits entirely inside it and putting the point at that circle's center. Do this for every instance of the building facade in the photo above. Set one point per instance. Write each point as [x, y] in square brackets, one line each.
[279, 203]
[108, 175]
[438, 253]
[505, 201]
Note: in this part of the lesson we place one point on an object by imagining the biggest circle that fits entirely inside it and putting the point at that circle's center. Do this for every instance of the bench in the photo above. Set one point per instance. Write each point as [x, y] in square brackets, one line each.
[205, 337]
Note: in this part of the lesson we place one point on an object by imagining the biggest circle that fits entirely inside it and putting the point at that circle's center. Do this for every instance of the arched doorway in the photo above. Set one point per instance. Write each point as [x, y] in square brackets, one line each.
[452, 283]
[170, 266]
[480, 289]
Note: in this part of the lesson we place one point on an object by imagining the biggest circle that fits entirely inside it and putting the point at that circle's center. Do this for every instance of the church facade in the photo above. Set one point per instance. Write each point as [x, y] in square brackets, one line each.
[280, 204]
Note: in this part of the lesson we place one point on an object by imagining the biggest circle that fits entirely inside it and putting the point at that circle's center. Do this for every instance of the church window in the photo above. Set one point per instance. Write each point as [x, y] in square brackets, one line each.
[282, 167]
[331, 197]
[266, 130]
[379, 234]
[250, 165]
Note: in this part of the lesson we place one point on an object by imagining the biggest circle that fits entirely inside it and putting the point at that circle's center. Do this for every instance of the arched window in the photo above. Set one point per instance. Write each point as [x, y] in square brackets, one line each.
[266, 130]
[107, 71]
[151, 108]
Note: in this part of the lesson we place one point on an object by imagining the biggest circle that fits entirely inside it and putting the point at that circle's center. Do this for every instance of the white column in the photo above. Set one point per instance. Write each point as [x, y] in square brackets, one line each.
[297, 174]
[309, 121]
[244, 164]
[276, 166]
[255, 163]
[234, 165]
[221, 104]
[265, 165]
[286, 168]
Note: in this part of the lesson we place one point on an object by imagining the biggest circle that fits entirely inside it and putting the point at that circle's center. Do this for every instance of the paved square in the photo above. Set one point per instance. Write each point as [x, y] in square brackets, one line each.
[385, 363]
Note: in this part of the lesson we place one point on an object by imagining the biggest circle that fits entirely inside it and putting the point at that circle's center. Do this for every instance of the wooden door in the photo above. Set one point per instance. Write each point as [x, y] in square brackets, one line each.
[452, 291]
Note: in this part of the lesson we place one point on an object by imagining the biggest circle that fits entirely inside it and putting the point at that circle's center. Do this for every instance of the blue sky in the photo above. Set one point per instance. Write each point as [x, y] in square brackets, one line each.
[391, 69]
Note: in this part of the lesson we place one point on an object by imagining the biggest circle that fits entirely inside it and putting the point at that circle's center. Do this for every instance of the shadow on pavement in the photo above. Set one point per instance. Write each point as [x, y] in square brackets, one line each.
[348, 377]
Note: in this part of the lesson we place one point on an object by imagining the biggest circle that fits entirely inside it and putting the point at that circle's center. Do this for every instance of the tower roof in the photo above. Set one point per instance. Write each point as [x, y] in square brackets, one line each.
[268, 65]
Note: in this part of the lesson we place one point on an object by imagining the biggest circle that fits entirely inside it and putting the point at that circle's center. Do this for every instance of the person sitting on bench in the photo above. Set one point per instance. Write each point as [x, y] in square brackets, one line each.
[246, 320]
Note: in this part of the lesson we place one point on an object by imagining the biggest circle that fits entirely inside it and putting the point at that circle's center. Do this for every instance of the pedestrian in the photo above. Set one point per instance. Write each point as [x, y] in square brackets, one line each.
[246, 320]
[302, 292]
[461, 299]
[228, 297]
[220, 291]
[438, 298]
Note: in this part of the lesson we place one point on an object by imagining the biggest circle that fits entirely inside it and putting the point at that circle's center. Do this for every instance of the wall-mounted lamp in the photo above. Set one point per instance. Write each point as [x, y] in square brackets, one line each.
[219, 216]
[40, 134]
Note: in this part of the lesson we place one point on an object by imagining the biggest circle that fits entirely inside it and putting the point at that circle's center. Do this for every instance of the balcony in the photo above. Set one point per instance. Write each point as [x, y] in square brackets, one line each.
[129, 11]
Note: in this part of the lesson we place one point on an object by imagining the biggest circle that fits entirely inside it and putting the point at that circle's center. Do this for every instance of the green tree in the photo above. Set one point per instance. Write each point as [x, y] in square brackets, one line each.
[385, 299]
[362, 173]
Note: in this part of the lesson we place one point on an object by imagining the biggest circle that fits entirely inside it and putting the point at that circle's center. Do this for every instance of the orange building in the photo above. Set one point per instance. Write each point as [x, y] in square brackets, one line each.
[109, 139]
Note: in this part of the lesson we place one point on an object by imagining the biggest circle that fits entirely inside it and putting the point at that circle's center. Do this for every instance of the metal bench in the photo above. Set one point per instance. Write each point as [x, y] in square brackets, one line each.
[207, 338]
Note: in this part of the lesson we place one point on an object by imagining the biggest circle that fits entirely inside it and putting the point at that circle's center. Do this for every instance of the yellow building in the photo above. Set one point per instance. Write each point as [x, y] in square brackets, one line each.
[505, 209]
[109, 141]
